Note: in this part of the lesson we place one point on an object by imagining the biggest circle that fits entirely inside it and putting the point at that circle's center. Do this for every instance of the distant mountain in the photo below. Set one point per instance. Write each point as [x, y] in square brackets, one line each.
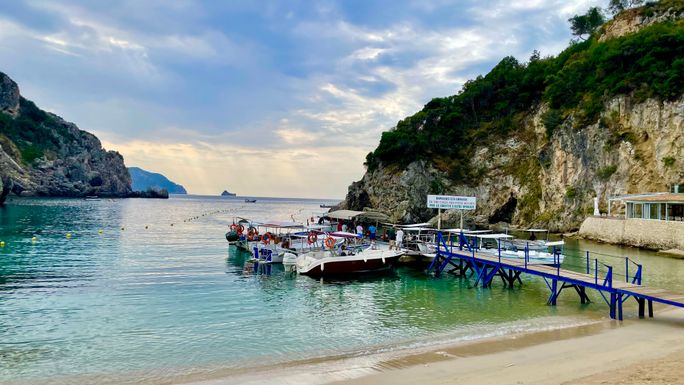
[143, 180]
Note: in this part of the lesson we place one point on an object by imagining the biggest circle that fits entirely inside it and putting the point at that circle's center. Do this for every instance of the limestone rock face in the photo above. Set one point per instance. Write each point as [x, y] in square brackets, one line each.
[9, 95]
[633, 20]
[531, 180]
[72, 163]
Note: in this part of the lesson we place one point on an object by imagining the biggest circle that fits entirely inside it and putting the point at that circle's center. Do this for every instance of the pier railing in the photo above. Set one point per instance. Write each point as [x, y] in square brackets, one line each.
[463, 258]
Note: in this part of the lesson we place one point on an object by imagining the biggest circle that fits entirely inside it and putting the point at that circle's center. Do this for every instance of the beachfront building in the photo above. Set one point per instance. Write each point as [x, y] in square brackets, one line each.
[652, 220]
[658, 206]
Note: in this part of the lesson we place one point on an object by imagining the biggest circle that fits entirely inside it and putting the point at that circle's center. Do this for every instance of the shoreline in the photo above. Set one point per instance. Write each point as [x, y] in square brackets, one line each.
[600, 352]
[634, 351]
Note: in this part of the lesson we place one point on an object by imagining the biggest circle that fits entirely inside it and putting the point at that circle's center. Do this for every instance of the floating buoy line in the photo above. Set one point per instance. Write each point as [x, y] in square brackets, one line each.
[70, 234]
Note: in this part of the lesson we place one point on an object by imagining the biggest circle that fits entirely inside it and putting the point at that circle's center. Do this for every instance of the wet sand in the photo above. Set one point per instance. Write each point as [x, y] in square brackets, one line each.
[648, 351]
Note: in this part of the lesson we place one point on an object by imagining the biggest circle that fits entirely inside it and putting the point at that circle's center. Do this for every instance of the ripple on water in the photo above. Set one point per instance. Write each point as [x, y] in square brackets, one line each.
[148, 300]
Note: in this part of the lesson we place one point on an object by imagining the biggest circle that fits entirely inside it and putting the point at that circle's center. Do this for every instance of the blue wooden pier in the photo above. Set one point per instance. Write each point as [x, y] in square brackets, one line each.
[462, 259]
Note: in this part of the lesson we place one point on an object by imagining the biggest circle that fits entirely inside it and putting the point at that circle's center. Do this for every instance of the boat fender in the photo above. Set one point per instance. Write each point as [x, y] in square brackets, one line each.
[365, 259]
[322, 266]
[383, 260]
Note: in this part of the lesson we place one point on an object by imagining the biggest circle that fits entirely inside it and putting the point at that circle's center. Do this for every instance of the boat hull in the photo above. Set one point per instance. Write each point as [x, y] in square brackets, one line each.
[341, 266]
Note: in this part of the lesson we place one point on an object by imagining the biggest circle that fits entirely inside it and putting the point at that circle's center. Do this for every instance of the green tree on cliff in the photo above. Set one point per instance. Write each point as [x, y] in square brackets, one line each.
[588, 23]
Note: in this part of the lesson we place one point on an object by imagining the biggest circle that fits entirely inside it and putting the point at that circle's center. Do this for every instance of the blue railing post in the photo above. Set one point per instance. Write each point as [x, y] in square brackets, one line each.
[588, 268]
[609, 277]
[595, 271]
[498, 244]
[527, 253]
[627, 269]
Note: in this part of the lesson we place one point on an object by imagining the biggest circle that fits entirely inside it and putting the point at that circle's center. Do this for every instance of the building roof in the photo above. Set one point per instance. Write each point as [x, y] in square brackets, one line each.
[659, 198]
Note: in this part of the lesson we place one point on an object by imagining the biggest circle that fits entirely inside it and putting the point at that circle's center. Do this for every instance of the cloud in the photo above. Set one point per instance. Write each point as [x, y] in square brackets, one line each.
[202, 91]
[207, 168]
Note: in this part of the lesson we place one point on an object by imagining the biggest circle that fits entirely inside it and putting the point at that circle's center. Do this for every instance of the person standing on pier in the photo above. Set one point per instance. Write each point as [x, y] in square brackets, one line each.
[400, 238]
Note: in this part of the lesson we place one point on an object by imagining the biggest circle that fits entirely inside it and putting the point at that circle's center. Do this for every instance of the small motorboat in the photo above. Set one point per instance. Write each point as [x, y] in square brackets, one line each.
[250, 200]
[331, 263]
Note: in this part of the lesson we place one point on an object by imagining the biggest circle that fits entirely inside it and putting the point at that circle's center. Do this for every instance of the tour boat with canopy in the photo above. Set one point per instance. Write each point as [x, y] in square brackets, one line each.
[345, 259]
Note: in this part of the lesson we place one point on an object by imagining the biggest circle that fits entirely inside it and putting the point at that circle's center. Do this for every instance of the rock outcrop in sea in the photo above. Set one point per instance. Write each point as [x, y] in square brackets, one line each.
[41, 154]
[543, 163]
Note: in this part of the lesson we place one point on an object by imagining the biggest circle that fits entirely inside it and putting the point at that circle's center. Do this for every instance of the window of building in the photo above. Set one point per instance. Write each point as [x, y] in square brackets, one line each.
[654, 211]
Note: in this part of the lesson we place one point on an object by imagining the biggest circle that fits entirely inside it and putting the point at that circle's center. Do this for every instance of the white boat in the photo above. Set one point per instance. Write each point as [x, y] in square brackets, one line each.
[503, 244]
[334, 262]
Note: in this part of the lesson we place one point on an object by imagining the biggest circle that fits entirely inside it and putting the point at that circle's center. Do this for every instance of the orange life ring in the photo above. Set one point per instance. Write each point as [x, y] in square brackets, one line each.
[266, 239]
[252, 231]
[240, 229]
[233, 227]
[312, 238]
[329, 242]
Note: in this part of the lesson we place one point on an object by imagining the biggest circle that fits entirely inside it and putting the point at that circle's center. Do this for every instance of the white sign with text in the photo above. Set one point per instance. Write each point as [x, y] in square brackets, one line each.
[451, 202]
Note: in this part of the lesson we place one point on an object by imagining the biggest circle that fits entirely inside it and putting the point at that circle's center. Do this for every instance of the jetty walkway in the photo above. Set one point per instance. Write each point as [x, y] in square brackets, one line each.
[461, 259]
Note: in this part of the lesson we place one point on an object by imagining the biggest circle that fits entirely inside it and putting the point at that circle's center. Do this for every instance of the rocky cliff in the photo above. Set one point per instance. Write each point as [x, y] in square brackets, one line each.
[542, 163]
[143, 180]
[42, 154]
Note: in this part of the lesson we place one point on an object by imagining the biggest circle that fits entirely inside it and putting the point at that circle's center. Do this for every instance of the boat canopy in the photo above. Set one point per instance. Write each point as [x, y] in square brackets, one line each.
[424, 224]
[493, 236]
[343, 234]
[467, 232]
[281, 224]
[537, 230]
[418, 229]
[556, 243]
[317, 227]
[351, 214]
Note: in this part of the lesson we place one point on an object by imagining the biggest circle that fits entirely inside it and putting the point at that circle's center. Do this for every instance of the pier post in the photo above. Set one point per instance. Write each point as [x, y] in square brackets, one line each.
[650, 308]
[554, 287]
[642, 305]
[619, 306]
[613, 304]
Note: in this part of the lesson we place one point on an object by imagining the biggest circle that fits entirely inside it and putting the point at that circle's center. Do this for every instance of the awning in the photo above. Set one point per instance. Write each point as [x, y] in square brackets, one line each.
[351, 214]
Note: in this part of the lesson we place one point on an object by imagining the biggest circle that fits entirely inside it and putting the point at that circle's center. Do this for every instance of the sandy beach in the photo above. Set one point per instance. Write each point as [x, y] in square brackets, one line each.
[647, 351]
[635, 351]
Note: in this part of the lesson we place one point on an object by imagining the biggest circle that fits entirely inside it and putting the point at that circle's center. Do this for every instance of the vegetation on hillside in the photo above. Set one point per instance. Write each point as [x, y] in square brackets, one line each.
[34, 132]
[646, 64]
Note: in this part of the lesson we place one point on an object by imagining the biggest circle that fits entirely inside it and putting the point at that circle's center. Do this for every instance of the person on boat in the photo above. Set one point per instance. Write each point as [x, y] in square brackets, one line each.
[372, 232]
[391, 235]
[345, 227]
[400, 238]
[339, 225]
[359, 230]
[532, 236]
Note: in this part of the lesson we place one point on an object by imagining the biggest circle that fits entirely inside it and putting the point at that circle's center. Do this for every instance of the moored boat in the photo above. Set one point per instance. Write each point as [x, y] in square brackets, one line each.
[332, 263]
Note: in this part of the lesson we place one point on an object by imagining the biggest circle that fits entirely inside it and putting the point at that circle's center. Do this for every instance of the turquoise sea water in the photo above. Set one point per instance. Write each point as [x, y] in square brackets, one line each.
[147, 290]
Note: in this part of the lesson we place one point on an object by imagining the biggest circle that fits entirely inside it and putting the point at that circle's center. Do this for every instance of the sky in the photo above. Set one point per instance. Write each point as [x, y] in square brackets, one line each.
[261, 97]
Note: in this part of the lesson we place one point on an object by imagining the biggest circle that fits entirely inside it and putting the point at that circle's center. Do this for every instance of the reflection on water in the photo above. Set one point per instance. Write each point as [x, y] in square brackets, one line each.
[150, 286]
